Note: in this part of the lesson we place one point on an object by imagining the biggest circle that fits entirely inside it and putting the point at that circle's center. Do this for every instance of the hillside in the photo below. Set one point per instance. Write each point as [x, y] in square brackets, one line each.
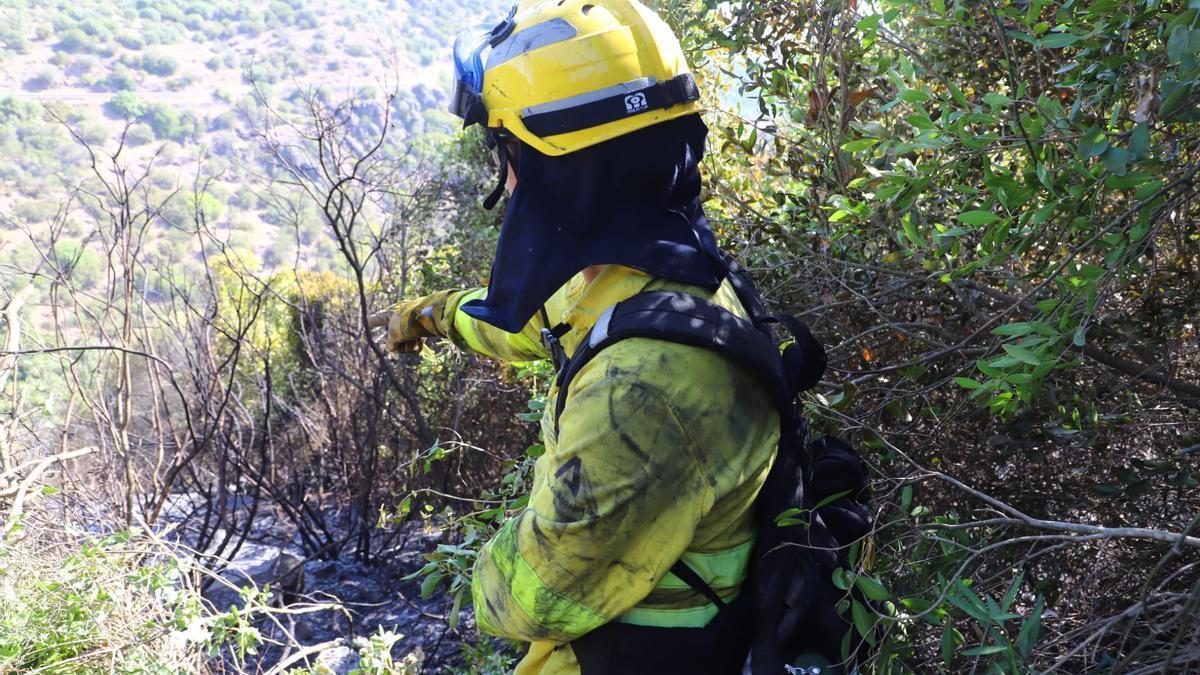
[191, 78]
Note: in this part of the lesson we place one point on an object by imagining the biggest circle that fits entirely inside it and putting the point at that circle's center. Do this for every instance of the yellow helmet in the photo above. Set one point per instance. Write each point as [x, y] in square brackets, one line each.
[564, 75]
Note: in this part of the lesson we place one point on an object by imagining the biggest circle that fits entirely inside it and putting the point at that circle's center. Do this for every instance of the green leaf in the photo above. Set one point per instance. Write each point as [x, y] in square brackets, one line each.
[958, 94]
[831, 499]
[1023, 37]
[1139, 142]
[996, 100]
[1034, 10]
[1043, 214]
[872, 588]
[954, 232]
[841, 579]
[1093, 143]
[910, 231]
[985, 650]
[1179, 45]
[456, 610]
[978, 217]
[951, 638]
[967, 383]
[1011, 596]
[49, 490]
[1174, 101]
[860, 145]
[1116, 160]
[1017, 329]
[1030, 628]
[969, 602]
[1021, 354]
[864, 621]
[914, 96]
[430, 584]
[1058, 40]
[1128, 181]
[870, 23]
[1148, 190]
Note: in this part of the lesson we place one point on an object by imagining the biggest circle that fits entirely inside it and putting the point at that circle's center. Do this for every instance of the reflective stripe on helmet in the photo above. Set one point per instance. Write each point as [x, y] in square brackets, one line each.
[534, 37]
[589, 97]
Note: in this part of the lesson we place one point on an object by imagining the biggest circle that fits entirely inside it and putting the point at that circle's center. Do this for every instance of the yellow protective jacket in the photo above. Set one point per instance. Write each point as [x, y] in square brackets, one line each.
[661, 451]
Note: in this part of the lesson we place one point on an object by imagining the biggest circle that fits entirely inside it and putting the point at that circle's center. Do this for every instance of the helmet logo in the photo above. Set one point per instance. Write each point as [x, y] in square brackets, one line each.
[636, 103]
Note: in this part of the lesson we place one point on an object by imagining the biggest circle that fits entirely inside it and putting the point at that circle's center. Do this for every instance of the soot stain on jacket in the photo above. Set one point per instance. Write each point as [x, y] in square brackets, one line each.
[574, 494]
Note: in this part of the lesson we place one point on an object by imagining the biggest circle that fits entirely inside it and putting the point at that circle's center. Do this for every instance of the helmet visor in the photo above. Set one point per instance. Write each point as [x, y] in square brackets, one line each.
[470, 47]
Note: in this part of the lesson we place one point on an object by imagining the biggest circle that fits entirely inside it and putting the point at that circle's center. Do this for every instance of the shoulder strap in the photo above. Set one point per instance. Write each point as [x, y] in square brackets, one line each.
[673, 316]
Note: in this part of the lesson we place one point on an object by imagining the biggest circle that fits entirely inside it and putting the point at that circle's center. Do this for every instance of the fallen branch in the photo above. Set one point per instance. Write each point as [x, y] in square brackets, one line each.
[304, 653]
[21, 489]
[1148, 373]
[1092, 531]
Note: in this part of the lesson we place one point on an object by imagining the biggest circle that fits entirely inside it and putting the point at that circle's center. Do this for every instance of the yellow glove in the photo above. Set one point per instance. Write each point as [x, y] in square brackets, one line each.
[408, 323]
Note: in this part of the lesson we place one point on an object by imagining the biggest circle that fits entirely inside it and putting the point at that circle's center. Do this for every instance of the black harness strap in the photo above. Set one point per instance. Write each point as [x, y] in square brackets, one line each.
[550, 340]
[693, 580]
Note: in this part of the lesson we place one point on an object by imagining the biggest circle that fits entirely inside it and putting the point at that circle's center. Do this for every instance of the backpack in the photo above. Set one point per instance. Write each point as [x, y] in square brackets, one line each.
[812, 506]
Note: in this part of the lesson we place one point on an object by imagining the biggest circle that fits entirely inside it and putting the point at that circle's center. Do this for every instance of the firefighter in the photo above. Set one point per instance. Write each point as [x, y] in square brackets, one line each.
[661, 448]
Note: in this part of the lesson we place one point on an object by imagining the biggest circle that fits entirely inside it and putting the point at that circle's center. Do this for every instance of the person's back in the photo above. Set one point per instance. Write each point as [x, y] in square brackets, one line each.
[659, 453]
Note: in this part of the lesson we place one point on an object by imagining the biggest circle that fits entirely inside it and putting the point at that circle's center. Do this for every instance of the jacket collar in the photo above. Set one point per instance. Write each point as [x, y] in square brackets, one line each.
[587, 301]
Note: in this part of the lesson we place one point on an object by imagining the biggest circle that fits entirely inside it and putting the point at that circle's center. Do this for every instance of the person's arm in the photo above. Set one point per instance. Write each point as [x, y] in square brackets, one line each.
[440, 314]
[608, 516]
[483, 338]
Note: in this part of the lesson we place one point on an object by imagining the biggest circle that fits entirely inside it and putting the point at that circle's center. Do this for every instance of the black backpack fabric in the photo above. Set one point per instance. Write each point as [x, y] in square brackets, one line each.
[788, 605]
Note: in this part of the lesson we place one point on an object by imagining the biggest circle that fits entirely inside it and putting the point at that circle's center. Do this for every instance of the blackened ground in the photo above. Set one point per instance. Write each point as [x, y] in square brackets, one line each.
[371, 596]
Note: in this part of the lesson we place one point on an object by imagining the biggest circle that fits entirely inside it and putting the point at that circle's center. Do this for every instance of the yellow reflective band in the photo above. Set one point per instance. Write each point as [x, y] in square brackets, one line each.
[521, 342]
[691, 617]
[550, 607]
[725, 569]
[468, 329]
[466, 326]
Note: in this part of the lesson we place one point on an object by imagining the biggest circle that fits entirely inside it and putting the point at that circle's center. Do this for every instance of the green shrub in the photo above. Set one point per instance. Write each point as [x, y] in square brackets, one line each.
[139, 134]
[162, 65]
[125, 105]
[14, 40]
[131, 41]
[123, 603]
[95, 607]
[82, 266]
[75, 41]
[168, 123]
[121, 78]
[44, 79]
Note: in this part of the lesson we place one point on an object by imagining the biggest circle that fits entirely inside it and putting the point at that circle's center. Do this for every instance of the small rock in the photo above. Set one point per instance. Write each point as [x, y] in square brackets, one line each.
[256, 566]
[339, 660]
[287, 575]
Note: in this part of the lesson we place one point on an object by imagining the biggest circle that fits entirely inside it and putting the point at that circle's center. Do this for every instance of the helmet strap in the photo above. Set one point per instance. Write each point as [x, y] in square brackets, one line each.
[494, 198]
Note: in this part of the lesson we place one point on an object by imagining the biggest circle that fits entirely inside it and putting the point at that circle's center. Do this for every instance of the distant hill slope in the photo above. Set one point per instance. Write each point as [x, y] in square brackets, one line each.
[182, 70]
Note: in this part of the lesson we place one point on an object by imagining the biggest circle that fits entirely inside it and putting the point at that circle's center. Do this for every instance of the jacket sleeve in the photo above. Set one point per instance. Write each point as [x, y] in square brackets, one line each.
[608, 516]
[481, 337]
